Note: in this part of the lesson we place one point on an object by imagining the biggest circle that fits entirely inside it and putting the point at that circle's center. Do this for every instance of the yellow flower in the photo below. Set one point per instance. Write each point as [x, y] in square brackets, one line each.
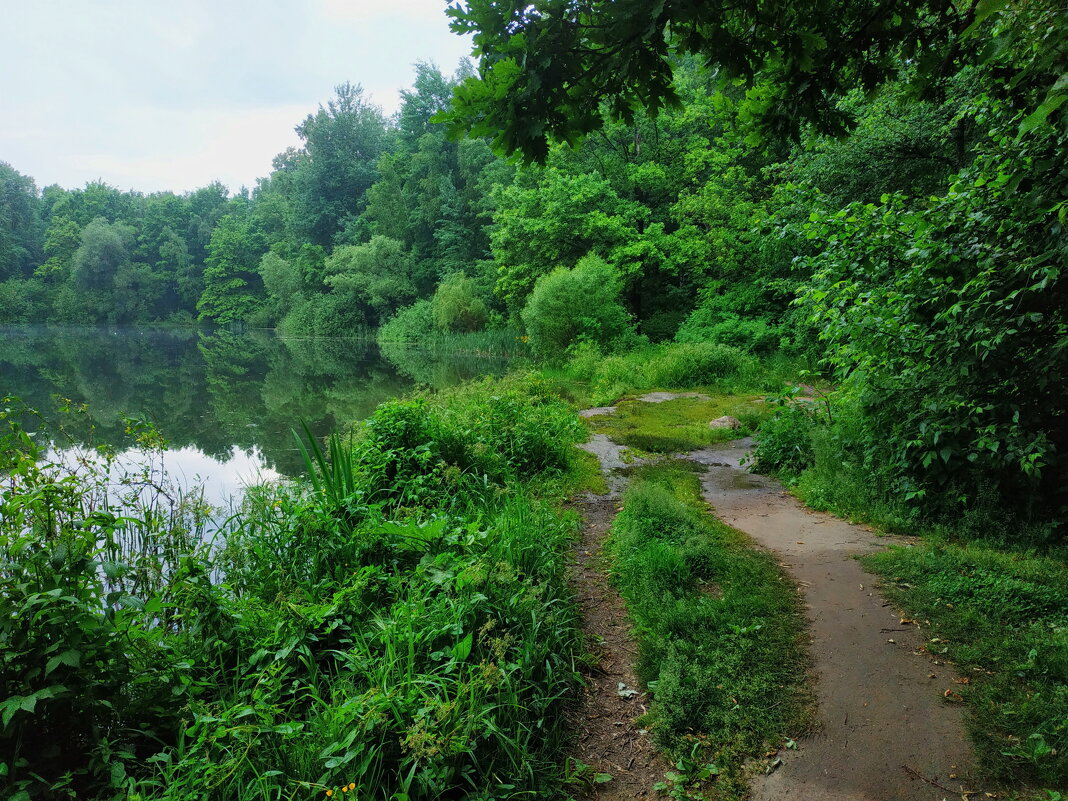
[344, 788]
[329, 793]
[352, 785]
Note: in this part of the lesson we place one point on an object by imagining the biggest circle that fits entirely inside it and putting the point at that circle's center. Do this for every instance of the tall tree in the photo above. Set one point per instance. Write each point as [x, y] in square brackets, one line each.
[338, 164]
[20, 224]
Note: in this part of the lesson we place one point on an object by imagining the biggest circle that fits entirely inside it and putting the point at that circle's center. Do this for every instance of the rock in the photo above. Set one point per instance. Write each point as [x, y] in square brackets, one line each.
[598, 410]
[726, 421]
[660, 397]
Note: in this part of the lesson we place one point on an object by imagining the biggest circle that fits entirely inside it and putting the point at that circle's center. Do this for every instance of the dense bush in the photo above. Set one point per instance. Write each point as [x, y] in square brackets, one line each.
[751, 334]
[695, 364]
[400, 626]
[411, 324]
[581, 304]
[784, 441]
[456, 305]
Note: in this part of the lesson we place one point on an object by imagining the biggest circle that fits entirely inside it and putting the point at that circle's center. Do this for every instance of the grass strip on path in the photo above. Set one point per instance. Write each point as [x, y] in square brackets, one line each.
[719, 630]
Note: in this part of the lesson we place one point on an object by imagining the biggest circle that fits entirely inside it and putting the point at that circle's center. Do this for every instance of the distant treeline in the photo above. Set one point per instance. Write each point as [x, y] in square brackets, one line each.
[374, 213]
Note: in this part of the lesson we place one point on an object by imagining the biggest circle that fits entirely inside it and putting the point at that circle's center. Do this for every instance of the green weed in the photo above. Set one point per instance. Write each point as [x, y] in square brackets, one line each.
[398, 625]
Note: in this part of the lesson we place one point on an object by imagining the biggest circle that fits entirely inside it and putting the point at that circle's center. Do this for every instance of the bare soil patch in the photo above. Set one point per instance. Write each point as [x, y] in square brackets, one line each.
[608, 739]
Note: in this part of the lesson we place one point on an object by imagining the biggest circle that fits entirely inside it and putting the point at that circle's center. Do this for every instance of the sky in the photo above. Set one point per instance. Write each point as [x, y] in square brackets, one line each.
[158, 95]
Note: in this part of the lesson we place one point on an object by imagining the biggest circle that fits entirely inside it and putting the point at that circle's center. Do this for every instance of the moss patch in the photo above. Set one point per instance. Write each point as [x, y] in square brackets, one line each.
[679, 425]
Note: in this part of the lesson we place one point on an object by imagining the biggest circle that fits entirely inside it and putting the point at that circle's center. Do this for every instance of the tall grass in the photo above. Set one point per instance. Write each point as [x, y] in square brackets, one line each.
[593, 377]
[399, 624]
[507, 342]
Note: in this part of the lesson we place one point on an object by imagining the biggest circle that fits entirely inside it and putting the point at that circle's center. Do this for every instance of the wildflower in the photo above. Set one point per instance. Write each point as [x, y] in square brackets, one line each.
[329, 793]
[352, 785]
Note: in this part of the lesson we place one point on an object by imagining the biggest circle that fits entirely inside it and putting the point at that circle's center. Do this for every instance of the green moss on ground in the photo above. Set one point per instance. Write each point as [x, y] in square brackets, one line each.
[679, 425]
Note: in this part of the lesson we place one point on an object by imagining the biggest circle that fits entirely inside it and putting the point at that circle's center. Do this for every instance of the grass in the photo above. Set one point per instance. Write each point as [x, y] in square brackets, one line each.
[589, 378]
[719, 628]
[1002, 617]
[679, 425]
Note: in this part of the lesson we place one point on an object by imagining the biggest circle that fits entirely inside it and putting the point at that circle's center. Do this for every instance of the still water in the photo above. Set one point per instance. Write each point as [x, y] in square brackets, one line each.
[225, 402]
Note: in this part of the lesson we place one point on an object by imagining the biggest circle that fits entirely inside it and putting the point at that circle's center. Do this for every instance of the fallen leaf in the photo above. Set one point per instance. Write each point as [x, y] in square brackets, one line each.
[964, 680]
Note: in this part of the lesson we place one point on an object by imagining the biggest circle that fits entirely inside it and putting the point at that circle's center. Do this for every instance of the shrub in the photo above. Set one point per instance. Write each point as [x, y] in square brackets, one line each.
[456, 306]
[784, 442]
[752, 334]
[411, 324]
[581, 304]
[696, 364]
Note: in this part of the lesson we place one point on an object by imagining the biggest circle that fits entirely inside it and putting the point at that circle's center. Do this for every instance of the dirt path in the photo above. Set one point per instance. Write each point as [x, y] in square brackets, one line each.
[608, 739]
[886, 732]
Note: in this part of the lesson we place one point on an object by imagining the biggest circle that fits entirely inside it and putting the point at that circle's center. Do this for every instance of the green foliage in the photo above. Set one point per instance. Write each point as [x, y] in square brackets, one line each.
[576, 305]
[719, 630]
[20, 224]
[597, 379]
[784, 442]
[1000, 617]
[456, 306]
[696, 364]
[547, 74]
[338, 164]
[551, 219]
[413, 323]
[233, 288]
[375, 276]
[705, 324]
[401, 625]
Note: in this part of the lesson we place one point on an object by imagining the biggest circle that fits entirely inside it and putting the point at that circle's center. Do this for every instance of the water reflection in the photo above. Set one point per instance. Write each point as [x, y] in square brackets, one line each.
[225, 402]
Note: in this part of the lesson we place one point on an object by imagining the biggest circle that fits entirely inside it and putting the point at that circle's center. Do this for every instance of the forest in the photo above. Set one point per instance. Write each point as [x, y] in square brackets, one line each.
[855, 212]
[908, 242]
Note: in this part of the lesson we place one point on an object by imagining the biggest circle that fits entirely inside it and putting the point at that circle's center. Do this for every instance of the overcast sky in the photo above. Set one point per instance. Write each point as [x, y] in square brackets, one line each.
[173, 94]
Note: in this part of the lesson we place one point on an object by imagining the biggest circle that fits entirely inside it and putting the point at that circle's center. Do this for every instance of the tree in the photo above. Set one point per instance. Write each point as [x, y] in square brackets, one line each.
[20, 224]
[548, 219]
[338, 164]
[233, 289]
[375, 277]
[105, 247]
[430, 94]
[456, 305]
[547, 70]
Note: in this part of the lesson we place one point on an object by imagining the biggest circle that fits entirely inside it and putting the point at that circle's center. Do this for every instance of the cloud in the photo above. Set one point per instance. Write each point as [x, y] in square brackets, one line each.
[175, 95]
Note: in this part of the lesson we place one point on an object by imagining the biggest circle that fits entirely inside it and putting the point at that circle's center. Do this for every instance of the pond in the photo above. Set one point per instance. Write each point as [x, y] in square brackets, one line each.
[225, 402]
